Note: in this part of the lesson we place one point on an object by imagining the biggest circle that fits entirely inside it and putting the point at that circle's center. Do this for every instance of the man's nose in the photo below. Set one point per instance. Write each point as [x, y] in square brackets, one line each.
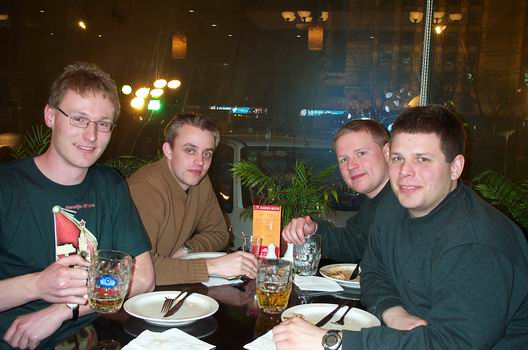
[90, 132]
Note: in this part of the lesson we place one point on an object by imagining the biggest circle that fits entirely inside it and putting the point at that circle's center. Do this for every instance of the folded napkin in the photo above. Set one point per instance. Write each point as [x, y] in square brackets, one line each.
[170, 339]
[264, 342]
[220, 281]
[316, 283]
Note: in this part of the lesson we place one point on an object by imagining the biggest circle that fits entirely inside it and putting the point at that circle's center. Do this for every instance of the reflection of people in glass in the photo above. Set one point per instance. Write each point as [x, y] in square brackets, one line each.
[359, 150]
[42, 298]
[443, 269]
[180, 210]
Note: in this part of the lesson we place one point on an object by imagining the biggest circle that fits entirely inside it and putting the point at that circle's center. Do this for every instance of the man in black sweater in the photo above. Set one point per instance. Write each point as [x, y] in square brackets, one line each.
[443, 269]
[359, 150]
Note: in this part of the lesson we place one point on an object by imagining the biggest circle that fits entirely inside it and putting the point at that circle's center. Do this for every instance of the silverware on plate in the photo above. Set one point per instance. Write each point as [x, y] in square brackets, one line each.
[178, 305]
[328, 317]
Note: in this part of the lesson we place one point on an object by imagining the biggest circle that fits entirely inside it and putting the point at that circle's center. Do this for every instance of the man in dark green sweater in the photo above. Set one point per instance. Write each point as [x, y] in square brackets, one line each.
[443, 269]
[359, 150]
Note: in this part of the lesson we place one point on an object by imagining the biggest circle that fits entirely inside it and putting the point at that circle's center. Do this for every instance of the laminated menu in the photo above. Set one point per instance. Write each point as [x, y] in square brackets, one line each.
[267, 225]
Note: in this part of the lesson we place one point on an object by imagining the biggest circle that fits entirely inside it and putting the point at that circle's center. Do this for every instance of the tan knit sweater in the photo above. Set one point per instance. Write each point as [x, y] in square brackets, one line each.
[171, 217]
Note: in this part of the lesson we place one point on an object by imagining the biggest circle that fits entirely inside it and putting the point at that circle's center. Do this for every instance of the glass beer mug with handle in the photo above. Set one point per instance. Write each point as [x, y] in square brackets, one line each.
[108, 279]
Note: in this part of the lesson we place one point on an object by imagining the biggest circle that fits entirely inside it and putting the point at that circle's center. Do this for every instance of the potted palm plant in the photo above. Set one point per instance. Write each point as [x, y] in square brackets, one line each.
[306, 192]
[507, 196]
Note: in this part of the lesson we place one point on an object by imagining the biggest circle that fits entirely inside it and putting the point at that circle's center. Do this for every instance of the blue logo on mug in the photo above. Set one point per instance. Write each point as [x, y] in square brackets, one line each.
[106, 281]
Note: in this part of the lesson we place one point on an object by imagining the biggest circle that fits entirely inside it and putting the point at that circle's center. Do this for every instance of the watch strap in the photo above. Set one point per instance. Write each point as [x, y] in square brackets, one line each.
[75, 311]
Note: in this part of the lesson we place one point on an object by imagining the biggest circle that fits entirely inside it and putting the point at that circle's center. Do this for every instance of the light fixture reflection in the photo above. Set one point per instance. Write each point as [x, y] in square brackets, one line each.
[142, 92]
[174, 84]
[156, 93]
[137, 103]
[81, 25]
[126, 89]
[160, 83]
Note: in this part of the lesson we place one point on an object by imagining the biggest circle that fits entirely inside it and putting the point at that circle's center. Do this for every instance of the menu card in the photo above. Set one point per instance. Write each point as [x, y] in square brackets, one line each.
[267, 225]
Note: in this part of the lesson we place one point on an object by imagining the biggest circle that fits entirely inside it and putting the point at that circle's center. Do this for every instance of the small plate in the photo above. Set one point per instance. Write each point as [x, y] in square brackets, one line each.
[355, 319]
[148, 307]
[332, 272]
[203, 255]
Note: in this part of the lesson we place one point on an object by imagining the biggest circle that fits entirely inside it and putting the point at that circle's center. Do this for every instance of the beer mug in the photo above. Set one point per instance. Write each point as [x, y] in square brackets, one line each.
[108, 279]
[306, 256]
[274, 285]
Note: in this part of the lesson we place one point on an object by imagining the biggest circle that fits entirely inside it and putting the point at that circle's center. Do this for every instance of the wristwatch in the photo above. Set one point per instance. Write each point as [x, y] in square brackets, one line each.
[187, 247]
[332, 340]
[75, 311]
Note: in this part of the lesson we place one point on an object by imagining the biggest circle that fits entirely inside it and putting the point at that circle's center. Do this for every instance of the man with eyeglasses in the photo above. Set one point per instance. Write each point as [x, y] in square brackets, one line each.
[57, 209]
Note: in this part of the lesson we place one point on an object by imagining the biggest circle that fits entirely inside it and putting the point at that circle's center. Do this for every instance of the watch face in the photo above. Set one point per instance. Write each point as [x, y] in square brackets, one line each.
[331, 340]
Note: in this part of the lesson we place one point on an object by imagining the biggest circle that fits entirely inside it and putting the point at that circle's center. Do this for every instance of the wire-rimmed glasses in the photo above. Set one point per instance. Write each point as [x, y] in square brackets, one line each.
[82, 122]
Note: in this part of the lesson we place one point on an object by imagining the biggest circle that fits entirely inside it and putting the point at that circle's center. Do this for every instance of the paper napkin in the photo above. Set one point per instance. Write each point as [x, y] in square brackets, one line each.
[219, 281]
[168, 340]
[264, 342]
[316, 283]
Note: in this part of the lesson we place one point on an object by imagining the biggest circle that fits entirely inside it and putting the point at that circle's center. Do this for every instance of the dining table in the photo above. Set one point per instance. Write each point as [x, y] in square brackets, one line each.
[237, 322]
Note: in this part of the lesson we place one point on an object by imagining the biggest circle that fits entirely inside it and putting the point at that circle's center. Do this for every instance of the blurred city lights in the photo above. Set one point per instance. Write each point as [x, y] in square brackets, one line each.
[142, 92]
[174, 84]
[160, 83]
[156, 92]
[137, 103]
[126, 89]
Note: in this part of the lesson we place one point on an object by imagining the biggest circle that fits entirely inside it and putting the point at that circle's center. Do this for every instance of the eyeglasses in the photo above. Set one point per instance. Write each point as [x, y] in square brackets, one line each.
[82, 122]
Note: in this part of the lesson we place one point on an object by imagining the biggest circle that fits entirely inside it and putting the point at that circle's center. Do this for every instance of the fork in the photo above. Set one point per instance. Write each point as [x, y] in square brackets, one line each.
[341, 321]
[167, 304]
[178, 305]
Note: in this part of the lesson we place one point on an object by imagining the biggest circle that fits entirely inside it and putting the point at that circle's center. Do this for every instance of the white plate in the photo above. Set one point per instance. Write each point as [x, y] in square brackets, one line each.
[328, 270]
[148, 307]
[203, 255]
[355, 319]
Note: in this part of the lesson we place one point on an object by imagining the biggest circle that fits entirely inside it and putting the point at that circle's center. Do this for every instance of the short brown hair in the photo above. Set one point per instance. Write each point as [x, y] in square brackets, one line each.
[201, 122]
[376, 130]
[84, 78]
[434, 120]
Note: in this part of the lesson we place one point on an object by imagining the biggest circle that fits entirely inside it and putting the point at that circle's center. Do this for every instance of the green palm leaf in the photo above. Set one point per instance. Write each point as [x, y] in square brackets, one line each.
[503, 193]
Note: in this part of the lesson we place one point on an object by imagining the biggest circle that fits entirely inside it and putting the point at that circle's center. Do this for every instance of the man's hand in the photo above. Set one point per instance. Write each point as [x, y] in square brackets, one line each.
[297, 334]
[398, 318]
[296, 229]
[234, 264]
[61, 282]
[180, 253]
[28, 330]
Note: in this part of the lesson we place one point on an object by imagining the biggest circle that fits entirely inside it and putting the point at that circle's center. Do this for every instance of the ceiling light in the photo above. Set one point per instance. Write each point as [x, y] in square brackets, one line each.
[174, 84]
[289, 16]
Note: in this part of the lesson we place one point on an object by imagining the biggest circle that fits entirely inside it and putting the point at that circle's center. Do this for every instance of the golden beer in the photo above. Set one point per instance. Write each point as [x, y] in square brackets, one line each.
[106, 304]
[273, 298]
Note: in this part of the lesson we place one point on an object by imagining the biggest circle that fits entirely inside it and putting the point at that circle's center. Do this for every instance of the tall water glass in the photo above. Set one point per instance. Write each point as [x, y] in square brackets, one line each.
[306, 256]
[108, 279]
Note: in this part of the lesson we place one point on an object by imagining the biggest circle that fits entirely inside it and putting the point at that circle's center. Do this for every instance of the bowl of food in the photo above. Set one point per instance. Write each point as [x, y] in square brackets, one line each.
[341, 273]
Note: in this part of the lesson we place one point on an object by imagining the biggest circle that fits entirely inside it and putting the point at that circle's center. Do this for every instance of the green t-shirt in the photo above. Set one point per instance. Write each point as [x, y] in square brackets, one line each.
[41, 220]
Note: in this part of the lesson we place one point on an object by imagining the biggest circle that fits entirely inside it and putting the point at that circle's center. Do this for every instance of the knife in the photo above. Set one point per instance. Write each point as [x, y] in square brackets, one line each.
[328, 317]
[178, 305]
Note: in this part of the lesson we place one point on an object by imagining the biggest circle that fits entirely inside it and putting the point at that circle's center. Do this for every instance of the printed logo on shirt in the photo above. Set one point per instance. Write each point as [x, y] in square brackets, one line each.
[71, 235]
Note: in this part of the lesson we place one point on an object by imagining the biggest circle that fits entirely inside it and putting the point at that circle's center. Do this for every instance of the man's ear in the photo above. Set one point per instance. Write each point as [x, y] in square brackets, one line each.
[167, 150]
[49, 116]
[457, 166]
[386, 151]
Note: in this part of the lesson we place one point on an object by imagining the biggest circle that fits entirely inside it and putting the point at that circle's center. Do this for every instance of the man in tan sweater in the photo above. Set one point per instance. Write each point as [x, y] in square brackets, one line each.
[179, 208]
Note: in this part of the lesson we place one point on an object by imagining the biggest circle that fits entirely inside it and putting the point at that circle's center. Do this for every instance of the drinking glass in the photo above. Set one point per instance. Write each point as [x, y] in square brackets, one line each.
[274, 285]
[108, 279]
[251, 244]
[306, 256]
